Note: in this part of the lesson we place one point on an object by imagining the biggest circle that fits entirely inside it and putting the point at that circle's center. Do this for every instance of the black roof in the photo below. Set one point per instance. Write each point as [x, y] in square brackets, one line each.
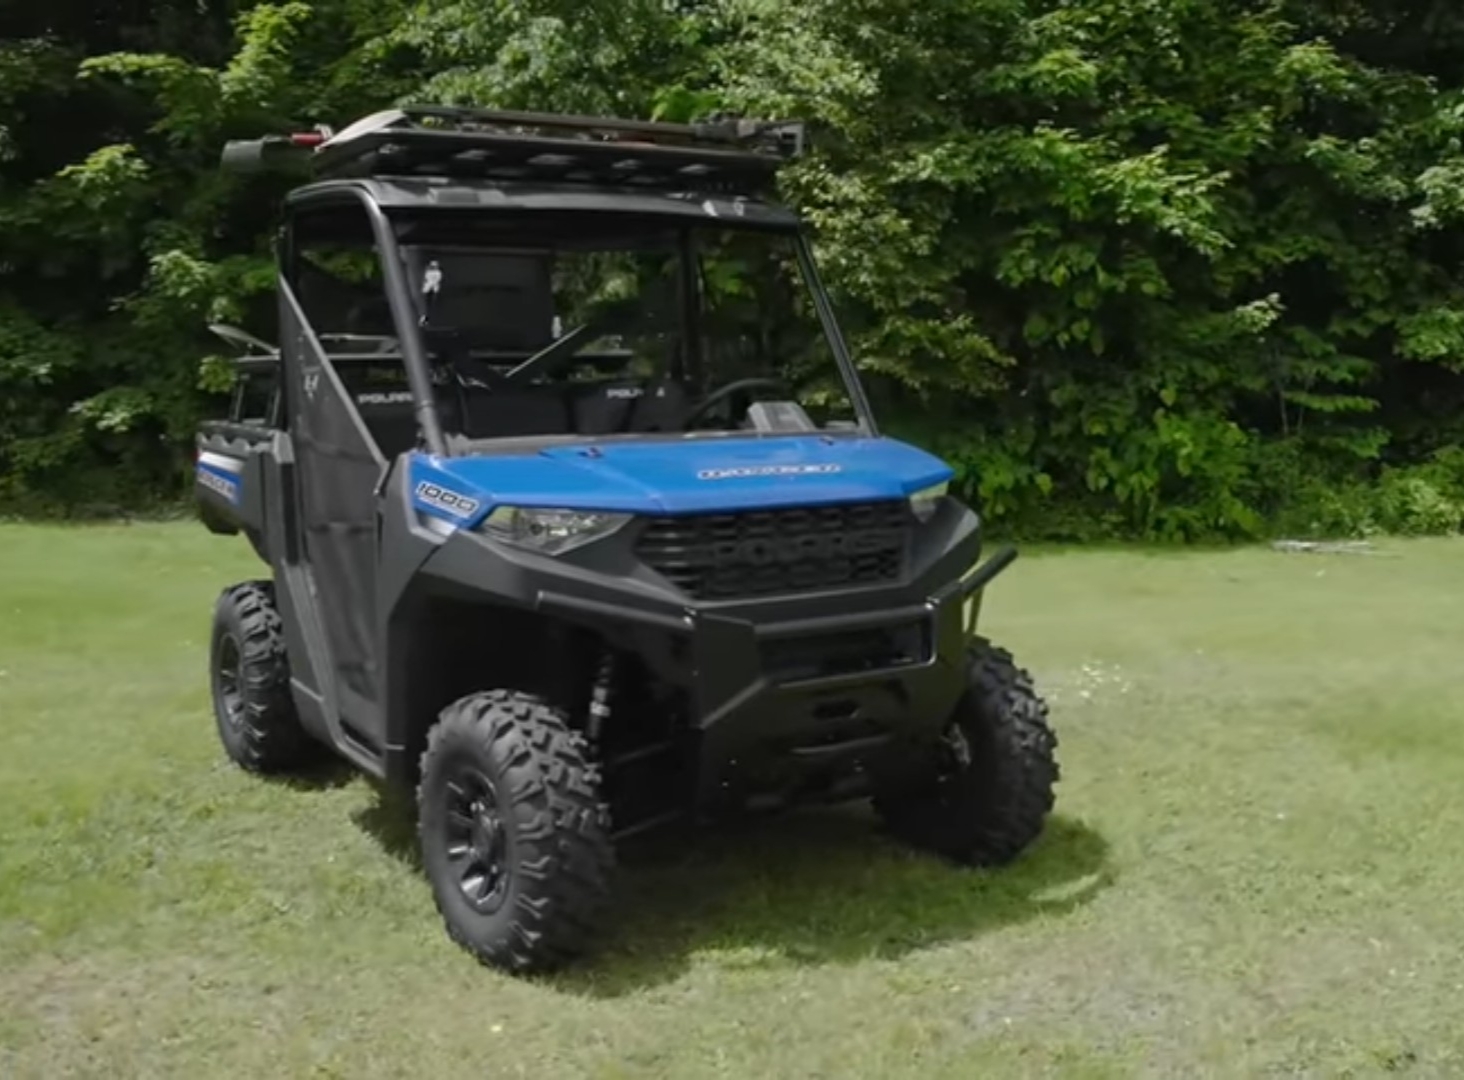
[396, 194]
[468, 147]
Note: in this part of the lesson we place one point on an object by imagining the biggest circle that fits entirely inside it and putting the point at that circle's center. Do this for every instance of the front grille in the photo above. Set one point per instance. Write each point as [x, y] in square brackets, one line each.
[768, 552]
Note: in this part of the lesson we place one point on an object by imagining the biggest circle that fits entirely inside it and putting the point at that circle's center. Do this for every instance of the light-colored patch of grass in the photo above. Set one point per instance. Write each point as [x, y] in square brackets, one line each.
[1254, 869]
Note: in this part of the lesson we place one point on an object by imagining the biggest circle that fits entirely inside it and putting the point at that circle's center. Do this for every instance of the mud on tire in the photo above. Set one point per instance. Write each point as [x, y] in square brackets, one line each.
[514, 834]
[249, 676]
[994, 788]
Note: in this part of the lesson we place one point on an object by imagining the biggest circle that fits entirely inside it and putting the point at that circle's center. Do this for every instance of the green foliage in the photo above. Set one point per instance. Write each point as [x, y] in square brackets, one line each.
[1423, 499]
[1174, 270]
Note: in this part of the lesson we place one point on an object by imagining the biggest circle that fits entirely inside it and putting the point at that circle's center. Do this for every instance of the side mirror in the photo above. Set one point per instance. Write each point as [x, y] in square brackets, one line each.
[242, 339]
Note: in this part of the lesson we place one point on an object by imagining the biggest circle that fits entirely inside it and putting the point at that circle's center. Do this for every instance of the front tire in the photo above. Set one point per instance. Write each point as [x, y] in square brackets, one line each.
[993, 788]
[249, 676]
[515, 837]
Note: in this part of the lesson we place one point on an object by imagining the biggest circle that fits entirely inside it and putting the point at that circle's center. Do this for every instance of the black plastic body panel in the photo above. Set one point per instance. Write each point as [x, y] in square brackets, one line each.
[758, 716]
[756, 719]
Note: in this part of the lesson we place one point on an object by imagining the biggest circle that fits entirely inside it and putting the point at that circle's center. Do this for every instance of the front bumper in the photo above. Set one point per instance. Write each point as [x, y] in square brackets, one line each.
[823, 692]
[821, 704]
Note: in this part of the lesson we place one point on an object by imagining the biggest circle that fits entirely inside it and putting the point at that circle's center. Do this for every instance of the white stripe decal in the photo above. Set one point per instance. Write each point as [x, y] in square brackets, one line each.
[219, 461]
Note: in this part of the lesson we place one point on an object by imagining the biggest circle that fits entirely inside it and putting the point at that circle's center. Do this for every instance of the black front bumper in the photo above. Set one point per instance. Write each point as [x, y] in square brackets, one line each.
[786, 696]
[770, 723]
[818, 695]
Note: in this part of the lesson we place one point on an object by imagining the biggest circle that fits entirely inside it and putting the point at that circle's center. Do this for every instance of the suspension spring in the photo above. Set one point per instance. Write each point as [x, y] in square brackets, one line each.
[600, 696]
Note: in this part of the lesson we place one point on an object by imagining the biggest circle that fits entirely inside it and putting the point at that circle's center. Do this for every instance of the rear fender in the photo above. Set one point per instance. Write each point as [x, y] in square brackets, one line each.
[228, 479]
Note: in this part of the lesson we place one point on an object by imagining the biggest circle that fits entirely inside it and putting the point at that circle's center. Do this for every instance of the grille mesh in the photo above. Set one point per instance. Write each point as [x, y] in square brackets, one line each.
[769, 552]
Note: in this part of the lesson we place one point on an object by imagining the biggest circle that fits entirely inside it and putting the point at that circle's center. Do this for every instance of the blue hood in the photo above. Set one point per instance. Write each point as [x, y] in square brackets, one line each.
[675, 477]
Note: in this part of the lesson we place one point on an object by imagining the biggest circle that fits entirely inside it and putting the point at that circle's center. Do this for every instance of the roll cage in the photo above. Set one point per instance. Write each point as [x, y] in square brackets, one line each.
[439, 170]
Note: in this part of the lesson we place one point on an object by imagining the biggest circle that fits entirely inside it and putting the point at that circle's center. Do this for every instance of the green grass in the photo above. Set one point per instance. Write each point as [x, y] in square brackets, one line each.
[1255, 869]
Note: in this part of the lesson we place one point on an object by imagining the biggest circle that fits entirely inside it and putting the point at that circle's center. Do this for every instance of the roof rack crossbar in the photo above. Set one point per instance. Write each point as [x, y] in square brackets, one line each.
[785, 137]
[482, 143]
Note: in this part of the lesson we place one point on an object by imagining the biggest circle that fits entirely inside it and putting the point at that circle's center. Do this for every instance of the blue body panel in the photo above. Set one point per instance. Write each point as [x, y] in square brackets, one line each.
[675, 477]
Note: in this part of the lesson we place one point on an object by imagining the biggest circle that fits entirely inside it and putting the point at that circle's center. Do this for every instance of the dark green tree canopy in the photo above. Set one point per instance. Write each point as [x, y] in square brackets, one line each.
[1165, 268]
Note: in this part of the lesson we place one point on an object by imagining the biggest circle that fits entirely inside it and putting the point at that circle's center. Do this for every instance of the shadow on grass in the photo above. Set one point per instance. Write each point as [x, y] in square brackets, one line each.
[813, 887]
[822, 887]
[326, 774]
[391, 820]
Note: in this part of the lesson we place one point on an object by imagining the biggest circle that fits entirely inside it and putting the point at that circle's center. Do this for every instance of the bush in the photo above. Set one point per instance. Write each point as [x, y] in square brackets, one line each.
[1415, 500]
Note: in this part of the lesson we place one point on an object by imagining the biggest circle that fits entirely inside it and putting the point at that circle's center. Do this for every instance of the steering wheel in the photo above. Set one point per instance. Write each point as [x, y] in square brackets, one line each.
[727, 390]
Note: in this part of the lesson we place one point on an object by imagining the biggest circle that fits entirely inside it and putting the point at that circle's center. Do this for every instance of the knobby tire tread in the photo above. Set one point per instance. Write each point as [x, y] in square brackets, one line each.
[564, 860]
[272, 739]
[989, 813]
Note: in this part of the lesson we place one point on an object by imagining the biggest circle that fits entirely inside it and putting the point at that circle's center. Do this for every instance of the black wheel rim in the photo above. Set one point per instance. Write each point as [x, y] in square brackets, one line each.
[953, 757]
[477, 840]
[957, 749]
[231, 681]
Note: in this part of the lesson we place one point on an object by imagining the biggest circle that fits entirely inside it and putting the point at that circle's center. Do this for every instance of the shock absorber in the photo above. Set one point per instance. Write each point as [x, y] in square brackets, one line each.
[600, 697]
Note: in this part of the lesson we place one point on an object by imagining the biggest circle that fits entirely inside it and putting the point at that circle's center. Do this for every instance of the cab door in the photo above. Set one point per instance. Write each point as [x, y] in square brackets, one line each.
[338, 471]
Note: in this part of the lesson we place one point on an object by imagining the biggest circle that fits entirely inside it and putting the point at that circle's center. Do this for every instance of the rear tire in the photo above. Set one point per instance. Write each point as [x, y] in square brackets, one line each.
[993, 790]
[515, 836]
[249, 675]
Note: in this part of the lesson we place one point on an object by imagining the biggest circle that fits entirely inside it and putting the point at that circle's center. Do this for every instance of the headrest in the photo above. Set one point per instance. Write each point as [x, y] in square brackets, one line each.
[661, 407]
[493, 300]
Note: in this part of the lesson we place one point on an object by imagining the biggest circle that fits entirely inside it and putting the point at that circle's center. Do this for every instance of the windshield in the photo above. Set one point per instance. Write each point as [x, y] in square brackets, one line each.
[605, 326]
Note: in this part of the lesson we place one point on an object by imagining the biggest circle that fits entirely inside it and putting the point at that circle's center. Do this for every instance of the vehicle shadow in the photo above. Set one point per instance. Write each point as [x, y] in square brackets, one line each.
[391, 820]
[326, 774]
[811, 888]
[821, 887]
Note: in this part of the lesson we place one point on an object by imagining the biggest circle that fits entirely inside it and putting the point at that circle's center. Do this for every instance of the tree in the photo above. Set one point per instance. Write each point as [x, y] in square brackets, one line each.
[1153, 268]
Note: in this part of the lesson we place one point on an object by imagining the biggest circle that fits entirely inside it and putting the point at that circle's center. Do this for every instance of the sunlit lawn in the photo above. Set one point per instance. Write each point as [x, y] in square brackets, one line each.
[1257, 867]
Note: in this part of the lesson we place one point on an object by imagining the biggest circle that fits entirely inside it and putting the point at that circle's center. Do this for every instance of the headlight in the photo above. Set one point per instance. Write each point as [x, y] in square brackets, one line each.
[552, 532]
[925, 501]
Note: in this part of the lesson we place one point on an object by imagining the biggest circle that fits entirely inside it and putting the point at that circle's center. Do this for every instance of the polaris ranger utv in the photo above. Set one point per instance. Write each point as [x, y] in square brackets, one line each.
[578, 522]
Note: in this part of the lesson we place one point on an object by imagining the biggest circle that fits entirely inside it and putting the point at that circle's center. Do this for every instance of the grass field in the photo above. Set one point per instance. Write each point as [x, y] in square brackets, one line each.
[1256, 868]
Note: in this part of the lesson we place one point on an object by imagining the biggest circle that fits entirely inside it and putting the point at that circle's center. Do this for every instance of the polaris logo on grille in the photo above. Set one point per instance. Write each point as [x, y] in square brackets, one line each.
[771, 550]
[742, 472]
[449, 501]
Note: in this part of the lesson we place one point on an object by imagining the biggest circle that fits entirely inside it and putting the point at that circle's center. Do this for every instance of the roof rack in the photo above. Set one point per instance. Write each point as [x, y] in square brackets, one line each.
[463, 143]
